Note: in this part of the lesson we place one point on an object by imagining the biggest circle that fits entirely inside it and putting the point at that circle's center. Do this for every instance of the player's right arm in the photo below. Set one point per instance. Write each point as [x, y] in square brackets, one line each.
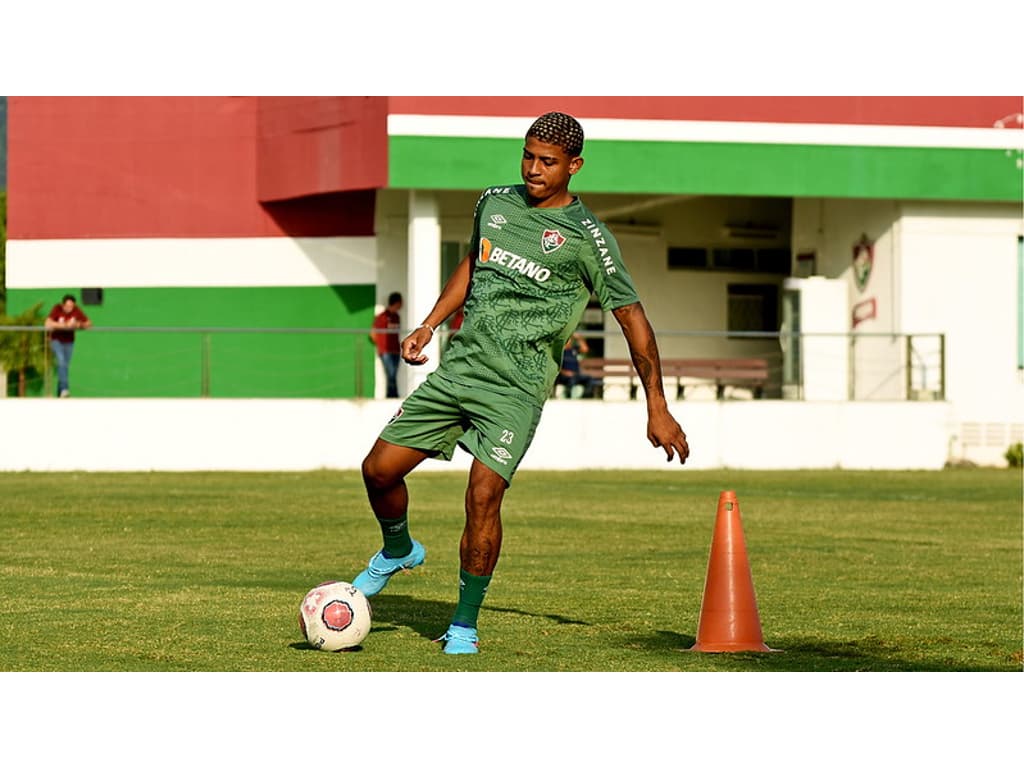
[453, 296]
[662, 428]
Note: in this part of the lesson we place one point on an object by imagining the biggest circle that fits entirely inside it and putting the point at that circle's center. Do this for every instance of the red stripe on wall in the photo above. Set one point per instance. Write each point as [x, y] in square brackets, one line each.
[945, 111]
[85, 167]
[319, 144]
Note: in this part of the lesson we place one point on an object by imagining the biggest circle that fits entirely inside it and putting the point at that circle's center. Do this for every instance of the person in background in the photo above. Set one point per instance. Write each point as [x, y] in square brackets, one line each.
[571, 374]
[454, 324]
[455, 321]
[62, 322]
[389, 348]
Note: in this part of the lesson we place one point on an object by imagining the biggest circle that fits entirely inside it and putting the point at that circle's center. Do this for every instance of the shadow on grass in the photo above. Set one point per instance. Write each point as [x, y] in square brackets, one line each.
[802, 654]
[430, 618]
[866, 654]
[304, 646]
[552, 616]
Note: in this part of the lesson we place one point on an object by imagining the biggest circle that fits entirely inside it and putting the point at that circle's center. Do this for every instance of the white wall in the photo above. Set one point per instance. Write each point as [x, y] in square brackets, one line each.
[947, 268]
[297, 435]
[830, 228]
[959, 277]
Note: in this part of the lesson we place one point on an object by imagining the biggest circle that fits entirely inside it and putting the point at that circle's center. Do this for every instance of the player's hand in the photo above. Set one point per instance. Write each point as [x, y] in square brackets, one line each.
[664, 432]
[413, 344]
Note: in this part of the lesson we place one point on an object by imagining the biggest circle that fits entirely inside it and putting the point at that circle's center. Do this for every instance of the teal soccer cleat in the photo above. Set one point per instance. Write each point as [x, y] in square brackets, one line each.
[381, 568]
[460, 640]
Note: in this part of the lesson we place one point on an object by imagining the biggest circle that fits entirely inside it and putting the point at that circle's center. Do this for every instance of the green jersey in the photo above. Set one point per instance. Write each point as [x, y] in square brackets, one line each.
[531, 280]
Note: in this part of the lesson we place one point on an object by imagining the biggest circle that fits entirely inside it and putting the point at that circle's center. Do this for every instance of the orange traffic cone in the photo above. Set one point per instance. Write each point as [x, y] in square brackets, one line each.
[729, 620]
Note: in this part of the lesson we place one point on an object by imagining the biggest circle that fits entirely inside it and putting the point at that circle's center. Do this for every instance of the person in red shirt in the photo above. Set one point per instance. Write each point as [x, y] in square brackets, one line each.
[389, 349]
[62, 322]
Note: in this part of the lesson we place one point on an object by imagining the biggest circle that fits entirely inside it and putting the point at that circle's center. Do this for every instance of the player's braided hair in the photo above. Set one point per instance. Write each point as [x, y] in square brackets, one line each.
[559, 129]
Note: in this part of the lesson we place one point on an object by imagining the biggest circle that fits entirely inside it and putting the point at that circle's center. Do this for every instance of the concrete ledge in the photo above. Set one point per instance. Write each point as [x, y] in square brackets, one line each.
[270, 435]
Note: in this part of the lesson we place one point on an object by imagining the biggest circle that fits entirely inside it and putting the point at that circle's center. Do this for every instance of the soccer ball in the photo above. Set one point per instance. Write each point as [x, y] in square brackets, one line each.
[335, 616]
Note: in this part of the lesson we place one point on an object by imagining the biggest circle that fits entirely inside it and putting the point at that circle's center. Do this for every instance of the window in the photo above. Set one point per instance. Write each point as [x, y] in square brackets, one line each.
[734, 259]
[753, 307]
[774, 261]
[92, 296]
[687, 258]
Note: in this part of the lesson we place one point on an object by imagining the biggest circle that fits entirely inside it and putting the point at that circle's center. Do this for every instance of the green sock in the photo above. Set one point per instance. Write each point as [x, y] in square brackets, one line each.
[397, 542]
[471, 596]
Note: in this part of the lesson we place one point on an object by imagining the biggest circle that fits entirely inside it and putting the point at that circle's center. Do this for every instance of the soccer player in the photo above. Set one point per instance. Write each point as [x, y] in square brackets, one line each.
[536, 255]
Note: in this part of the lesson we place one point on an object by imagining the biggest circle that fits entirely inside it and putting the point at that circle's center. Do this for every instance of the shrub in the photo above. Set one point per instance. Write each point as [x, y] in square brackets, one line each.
[1015, 455]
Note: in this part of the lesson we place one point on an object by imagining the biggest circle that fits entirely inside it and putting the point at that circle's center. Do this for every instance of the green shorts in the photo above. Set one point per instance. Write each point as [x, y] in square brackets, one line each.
[495, 428]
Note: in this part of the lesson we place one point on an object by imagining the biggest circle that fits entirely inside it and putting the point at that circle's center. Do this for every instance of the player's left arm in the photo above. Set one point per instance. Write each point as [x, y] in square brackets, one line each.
[453, 296]
[662, 428]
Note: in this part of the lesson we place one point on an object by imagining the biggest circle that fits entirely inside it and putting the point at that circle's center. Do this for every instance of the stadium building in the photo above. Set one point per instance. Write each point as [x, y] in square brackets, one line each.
[239, 247]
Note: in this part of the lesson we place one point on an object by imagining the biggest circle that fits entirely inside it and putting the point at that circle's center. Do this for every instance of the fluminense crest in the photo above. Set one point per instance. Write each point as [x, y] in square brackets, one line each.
[552, 240]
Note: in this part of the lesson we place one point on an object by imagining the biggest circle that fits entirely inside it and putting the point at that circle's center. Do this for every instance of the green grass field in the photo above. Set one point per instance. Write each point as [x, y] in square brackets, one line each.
[600, 571]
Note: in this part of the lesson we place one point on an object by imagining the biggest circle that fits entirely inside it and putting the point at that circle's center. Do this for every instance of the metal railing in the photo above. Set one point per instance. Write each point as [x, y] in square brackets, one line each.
[336, 362]
[833, 366]
[116, 361]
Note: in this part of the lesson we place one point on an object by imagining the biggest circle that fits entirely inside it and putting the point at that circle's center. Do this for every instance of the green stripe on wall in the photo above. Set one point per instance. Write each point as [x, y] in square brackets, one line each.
[112, 363]
[652, 167]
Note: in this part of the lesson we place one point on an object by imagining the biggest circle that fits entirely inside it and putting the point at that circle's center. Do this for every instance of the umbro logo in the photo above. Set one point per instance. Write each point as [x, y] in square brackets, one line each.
[501, 454]
[496, 221]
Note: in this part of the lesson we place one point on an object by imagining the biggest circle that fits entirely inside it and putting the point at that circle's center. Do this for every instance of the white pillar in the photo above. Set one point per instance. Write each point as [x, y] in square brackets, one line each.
[824, 329]
[424, 275]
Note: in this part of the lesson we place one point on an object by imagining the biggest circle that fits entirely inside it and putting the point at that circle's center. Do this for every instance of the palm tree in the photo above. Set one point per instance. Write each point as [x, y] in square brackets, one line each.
[24, 351]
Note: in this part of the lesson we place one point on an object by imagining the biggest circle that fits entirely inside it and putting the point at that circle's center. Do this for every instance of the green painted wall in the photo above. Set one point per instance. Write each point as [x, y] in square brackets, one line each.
[656, 167]
[108, 362]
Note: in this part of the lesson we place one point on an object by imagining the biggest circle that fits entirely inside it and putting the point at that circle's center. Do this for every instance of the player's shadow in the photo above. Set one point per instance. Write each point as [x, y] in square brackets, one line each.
[558, 619]
[430, 618]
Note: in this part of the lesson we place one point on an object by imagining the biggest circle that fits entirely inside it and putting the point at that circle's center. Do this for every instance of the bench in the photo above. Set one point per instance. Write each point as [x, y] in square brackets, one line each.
[748, 372]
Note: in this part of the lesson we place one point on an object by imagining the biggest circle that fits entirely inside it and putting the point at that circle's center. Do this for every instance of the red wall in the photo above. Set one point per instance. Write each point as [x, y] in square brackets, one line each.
[200, 166]
[316, 144]
[154, 167]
